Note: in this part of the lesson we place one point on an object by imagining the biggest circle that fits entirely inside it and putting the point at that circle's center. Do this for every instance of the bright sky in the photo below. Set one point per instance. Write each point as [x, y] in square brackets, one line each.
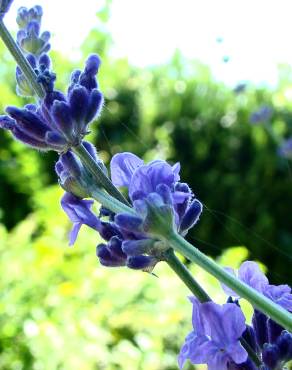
[256, 34]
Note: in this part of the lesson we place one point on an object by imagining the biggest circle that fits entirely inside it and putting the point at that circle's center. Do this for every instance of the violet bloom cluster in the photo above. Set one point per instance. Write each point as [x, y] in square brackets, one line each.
[59, 121]
[154, 191]
[217, 330]
[215, 337]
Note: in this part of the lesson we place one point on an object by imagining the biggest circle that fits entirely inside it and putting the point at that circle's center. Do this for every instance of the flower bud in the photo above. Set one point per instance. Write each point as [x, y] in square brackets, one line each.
[137, 247]
[270, 355]
[259, 321]
[284, 343]
[191, 216]
[107, 258]
[69, 171]
[145, 263]
[63, 119]
[129, 222]
[274, 330]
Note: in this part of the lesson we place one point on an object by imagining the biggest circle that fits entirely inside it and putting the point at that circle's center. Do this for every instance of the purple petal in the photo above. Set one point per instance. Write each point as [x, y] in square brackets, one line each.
[146, 179]
[226, 289]
[280, 294]
[199, 324]
[250, 273]
[192, 350]
[226, 323]
[79, 212]
[74, 233]
[122, 166]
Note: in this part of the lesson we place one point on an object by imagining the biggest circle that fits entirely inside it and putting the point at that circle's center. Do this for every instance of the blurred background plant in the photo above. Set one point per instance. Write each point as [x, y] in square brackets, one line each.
[59, 309]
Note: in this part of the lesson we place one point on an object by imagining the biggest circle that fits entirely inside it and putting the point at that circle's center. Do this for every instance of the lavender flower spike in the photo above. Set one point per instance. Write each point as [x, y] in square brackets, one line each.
[60, 122]
[215, 337]
[79, 212]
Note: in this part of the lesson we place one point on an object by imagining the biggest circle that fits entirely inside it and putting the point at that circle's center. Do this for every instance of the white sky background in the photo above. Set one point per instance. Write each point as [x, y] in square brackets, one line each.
[256, 34]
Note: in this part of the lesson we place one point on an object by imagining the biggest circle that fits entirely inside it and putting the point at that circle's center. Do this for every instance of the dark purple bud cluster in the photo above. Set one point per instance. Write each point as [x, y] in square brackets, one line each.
[274, 344]
[161, 202]
[59, 122]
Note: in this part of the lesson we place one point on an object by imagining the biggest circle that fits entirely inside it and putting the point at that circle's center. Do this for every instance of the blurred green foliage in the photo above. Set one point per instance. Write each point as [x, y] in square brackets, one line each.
[58, 308]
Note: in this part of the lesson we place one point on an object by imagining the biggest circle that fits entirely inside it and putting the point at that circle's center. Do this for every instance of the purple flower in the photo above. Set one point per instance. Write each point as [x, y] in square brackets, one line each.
[215, 338]
[263, 114]
[60, 122]
[122, 167]
[79, 212]
[250, 273]
[156, 177]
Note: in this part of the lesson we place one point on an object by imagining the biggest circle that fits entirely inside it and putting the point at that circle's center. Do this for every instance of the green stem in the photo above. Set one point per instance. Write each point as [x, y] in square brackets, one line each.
[259, 301]
[110, 202]
[251, 353]
[184, 274]
[98, 174]
[21, 60]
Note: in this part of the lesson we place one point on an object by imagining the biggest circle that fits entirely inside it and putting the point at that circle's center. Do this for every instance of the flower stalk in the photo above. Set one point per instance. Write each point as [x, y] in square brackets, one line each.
[184, 274]
[180, 245]
[263, 304]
